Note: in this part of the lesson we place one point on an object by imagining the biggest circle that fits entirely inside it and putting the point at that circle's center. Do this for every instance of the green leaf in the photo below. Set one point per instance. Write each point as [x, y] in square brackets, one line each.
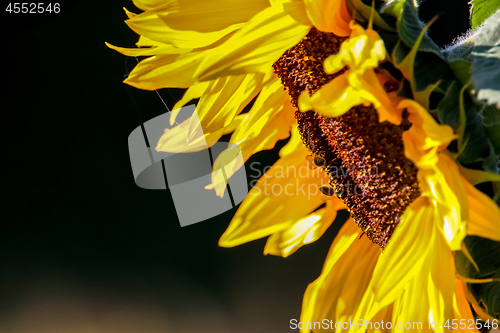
[486, 61]
[417, 57]
[484, 252]
[479, 146]
[486, 255]
[409, 28]
[481, 10]
[464, 266]
[489, 293]
[427, 67]
[490, 116]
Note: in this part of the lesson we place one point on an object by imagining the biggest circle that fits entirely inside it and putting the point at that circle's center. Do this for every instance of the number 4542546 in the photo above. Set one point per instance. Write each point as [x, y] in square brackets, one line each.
[33, 8]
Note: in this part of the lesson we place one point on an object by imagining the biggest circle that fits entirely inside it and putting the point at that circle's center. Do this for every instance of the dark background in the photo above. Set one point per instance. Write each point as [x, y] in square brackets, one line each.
[82, 248]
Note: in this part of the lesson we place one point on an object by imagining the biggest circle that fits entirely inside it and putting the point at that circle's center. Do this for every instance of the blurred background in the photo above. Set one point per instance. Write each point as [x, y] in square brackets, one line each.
[82, 248]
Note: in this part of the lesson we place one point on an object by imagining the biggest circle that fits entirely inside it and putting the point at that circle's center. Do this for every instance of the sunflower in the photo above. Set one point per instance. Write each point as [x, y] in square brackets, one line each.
[360, 140]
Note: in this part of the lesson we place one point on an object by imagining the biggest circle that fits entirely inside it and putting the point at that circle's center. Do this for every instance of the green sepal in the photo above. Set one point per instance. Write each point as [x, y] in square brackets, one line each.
[427, 69]
[481, 10]
[484, 252]
[481, 263]
[417, 57]
[410, 27]
[461, 69]
[489, 295]
[479, 147]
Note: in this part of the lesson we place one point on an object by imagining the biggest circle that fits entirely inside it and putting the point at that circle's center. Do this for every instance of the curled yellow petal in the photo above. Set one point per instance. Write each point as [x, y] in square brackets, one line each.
[363, 50]
[425, 137]
[359, 84]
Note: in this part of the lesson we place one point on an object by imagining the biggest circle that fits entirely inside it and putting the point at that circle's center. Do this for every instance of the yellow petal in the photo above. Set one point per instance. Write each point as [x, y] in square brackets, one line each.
[129, 13]
[269, 120]
[454, 201]
[288, 190]
[148, 51]
[384, 315]
[333, 99]
[484, 214]
[226, 97]
[257, 45]
[372, 91]
[441, 282]
[150, 4]
[425, 136]
[429, 295]
[348, 90]
[166, 71]
[146, 42]
[221, 100]
[445, 190]
[304, 101]
[432, 134]
[329, 15]
[399, 264]
[294, 144]
[304, 231]
[195, 91]
[336, 294]
[413, 308]
[461, 308]
[176, 140]
[252, 49]
[194, 24]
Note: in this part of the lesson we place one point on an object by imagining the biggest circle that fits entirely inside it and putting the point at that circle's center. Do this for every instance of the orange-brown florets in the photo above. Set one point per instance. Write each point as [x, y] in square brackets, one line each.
[364, 158]
[301, 67]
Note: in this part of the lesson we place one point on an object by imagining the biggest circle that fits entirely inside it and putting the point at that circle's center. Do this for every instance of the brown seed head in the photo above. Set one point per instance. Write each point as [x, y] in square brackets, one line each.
[363, 158]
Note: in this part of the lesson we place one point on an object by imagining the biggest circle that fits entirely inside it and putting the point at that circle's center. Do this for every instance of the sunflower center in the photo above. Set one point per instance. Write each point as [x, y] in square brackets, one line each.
[363, 158]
